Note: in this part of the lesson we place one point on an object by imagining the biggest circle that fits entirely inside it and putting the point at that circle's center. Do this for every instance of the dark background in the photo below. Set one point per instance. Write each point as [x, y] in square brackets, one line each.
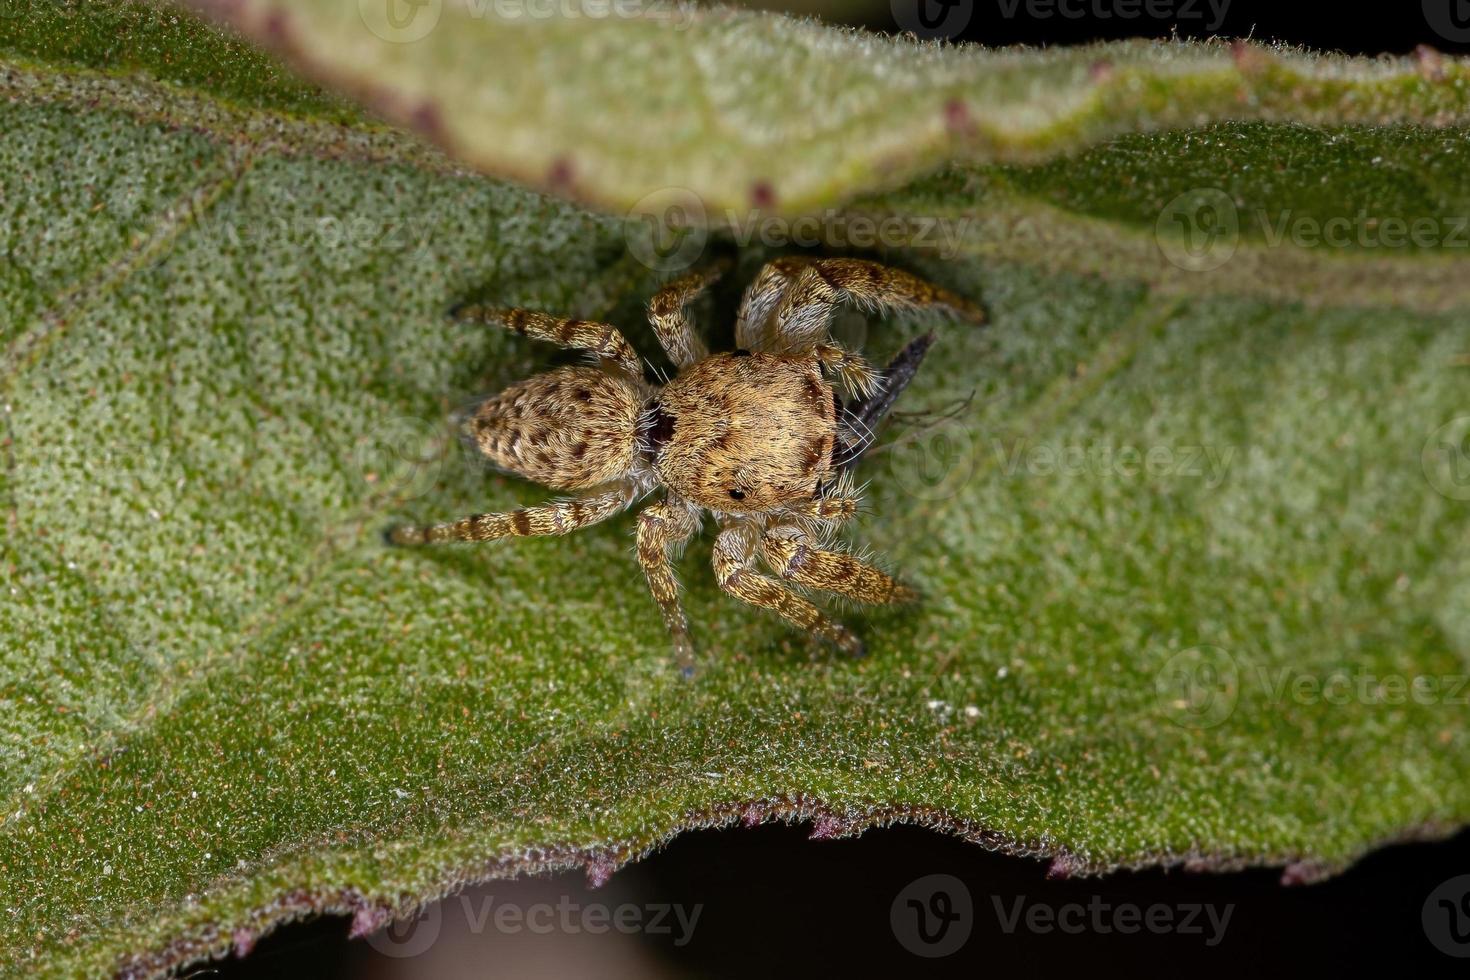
[1354, 28]
[773, 902]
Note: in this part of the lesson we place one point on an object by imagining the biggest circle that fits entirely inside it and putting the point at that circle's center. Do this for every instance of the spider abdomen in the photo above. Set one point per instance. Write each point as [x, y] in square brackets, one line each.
[568, 429]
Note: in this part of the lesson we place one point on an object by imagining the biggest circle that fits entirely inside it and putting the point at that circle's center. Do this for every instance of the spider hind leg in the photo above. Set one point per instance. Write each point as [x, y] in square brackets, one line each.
[554, 518]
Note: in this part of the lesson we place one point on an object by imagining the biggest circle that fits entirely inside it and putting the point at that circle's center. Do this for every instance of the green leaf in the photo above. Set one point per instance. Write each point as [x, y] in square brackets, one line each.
[1195, 554]
[617, 108]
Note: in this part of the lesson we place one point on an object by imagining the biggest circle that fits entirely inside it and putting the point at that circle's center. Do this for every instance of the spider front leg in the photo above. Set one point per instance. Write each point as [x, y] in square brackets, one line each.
[752, 322]
[734, 563]
[668, 312]
[601, 339]
[814, 288]
[663, 529]
[558, 517]
[791, 555]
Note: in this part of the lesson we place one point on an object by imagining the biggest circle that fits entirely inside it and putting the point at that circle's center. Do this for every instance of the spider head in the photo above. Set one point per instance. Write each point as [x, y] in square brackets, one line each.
[744, 432]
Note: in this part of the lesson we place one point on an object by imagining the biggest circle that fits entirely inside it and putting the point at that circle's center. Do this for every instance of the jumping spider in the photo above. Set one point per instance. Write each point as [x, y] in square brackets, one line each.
[758, 436]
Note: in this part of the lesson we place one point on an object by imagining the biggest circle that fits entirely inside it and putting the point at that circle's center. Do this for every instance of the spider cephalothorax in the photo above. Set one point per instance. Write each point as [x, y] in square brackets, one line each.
[759, 436]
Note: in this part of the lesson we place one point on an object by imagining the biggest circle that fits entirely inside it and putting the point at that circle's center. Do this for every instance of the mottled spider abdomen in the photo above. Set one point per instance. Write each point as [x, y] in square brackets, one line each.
[747, 431]
[568, 429]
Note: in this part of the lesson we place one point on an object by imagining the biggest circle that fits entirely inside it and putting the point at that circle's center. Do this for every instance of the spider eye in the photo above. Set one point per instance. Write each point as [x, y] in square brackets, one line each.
[737, 494]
